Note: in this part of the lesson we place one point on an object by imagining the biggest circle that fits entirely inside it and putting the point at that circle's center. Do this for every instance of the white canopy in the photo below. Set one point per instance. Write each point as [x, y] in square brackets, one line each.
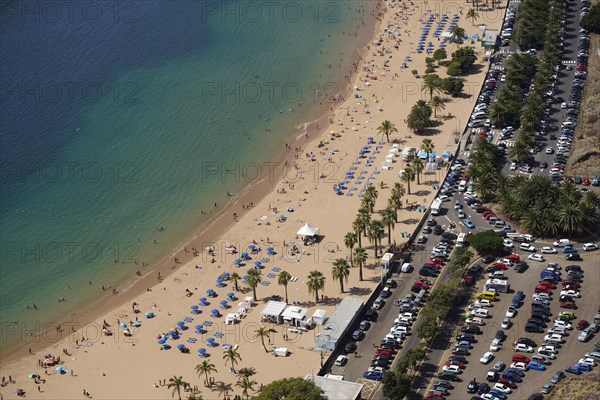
[273, 308]
[319, 316]
[307, 230]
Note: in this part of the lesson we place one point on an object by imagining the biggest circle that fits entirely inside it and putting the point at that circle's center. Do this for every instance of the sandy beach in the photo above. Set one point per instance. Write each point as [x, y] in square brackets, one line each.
[112, 367]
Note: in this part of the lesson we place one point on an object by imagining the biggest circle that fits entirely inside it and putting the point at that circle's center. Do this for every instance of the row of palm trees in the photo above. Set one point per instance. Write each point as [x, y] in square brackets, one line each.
[206, 368]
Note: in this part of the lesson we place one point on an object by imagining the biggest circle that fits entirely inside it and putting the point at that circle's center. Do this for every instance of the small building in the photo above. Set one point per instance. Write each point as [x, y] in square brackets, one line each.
[272, 311]
[296, 316]
[337, 389]
[342, 318]
[319, 317]
[488, 40]
[387, 260]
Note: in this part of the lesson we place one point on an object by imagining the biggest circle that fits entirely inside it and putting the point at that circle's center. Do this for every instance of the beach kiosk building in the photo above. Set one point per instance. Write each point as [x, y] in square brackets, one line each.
[272, 311]
[296, 316]
[340, 321]
[337, 389]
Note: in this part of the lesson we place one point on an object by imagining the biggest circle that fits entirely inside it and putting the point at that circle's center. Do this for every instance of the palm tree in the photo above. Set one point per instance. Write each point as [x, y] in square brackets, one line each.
[419, 117]
[375, 232]
[457, 32]
[246, 384]
[340, 271]
[386, 128]
[408, 175]
[520, 151]
[262, 333]
[253, 279]
[360, 223]
[315, 282]
[176, 383]
[360, 257]
[223, 388]
[194, 396]
[472, 14]
[235, 276]
[395, 202]
[432, 83]
[283, 279]
[427, 146]
[388, 217]
[372, 194]
[205, 368]
[437, 103]
[417, 166]
[349, 242]
[231, 355]
[247, 372]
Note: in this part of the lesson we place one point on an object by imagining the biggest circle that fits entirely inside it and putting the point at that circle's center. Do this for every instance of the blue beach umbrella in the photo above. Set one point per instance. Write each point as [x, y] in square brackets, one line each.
[123, 325]
[210, 340]
[194, 307]
[223, 302]
[336, 189]
[252, 247]
[181, 346]
[161, 341]
[202, 300]
[230, 295]
[219, 281]
[199, 327]
[171, 333]
[201, 350]
[244, 254]
[238, 260]
[214, 311]
[209, 291]
[225, 274]
[270, 249]
[180, 323]
[257, 263]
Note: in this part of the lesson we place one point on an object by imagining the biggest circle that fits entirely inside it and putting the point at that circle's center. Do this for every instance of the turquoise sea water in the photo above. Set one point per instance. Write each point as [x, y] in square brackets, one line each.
[117, 119]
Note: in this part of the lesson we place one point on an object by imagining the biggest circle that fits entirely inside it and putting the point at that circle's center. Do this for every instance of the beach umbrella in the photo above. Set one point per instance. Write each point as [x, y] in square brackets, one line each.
[59, 368]
[171, 332]
[210, 340]
[199, 327]
[238, 260]
[252, 247]
[161, 341]
[270, 249]
[202, 300]
[370, 139]
[136, 323]
[257, 263]
[223, 302]
[194, 307]
[149, 314]
[230, 295]
[209, 291]
[181, 346]
[201, 350]
[244, 254]
[225, 274]
[336, 189]
[219, 281]
[123, 325]
[214, 311]
[180, 323]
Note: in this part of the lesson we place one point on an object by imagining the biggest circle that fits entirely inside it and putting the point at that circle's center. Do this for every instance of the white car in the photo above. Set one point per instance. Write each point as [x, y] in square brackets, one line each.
[548, 354]
[572, 293]
[376, 369]
[452, 368]
[521, 347]
[475, 321]
[549, 150]
[502, 387]
[588, 360]
[548, 348]
[508, 243]
[520, 365]
[511, 312]
[545, 297]
[548, 250]
[496, 345]
[341, 361]
[513, 166]
[554, 338]
[560, 322]
[480, 312]
[590, 247]
[486, 358]
[536, 257]
[483, 303]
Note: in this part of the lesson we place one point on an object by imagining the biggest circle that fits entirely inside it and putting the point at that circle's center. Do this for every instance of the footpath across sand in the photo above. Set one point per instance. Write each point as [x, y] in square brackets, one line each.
[113, 367]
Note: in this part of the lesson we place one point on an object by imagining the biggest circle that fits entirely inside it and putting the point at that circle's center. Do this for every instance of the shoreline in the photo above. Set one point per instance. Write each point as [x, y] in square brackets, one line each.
[218, 224]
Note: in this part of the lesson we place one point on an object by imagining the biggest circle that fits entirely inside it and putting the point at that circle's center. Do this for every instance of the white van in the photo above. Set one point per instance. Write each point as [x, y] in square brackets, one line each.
[561, 242]
[406, 267]
[461, 239]
[462, 186]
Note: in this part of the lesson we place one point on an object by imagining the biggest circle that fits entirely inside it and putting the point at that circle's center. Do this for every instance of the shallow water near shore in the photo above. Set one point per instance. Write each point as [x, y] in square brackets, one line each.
[122, 130]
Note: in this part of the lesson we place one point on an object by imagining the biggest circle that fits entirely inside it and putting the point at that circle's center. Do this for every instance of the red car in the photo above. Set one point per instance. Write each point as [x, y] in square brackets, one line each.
[569, 282]
[435, 394]
[520, 358]
[581, 325]
[542, 289]
[513, 257]
[572, 286]
[508, 383]
[469, 280]
[568, 304]
[548, 284]
[585, 182]
[459, 364]
[384, 352]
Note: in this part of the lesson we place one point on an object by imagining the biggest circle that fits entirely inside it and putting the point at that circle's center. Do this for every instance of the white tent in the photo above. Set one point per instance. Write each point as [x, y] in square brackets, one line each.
[272, 311]
[232, 318]
[307, 230]
[294, 315]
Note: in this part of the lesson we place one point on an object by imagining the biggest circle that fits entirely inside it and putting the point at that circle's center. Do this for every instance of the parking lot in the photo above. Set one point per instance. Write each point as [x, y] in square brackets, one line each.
[570, 352]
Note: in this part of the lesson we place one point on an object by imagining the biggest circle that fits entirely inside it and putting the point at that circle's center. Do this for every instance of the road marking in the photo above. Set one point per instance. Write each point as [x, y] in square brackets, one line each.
[369, 387]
